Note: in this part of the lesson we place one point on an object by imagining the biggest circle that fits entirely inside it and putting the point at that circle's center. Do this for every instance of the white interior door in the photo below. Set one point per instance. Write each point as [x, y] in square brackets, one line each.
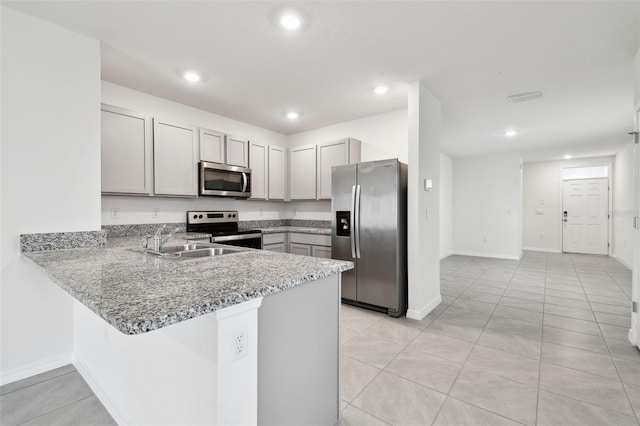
[634, 334]
[585, 205]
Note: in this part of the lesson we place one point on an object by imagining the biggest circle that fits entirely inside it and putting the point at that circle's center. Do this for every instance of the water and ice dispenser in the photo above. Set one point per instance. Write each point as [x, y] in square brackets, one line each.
[343, 223]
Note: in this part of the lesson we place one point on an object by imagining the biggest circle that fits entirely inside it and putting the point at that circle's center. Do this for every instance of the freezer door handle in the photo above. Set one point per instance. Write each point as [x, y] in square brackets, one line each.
[352, 214]
[356, 225]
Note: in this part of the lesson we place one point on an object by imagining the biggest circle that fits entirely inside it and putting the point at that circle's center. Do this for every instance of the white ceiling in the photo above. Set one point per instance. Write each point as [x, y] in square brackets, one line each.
[471, 54]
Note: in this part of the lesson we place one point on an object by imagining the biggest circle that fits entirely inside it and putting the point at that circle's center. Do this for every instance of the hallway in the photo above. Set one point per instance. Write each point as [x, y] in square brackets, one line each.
[537, 341]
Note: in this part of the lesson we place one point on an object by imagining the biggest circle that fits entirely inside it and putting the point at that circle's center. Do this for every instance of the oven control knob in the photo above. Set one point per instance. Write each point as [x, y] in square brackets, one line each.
[200, 216]
[229, 215]
[234, 215]
[195, 216]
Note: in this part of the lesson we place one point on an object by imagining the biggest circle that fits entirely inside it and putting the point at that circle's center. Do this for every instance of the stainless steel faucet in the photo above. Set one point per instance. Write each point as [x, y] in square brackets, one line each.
[158, 241]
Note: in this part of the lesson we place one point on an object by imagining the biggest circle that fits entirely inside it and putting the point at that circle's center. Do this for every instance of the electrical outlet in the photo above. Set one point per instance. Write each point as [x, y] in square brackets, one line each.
[239, 344]
[156, 213]
[115, 213]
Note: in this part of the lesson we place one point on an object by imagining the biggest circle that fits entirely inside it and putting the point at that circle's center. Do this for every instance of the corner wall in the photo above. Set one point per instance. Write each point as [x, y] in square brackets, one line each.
[487, 206]
[50, 179]
[446, 206]
[623, 207]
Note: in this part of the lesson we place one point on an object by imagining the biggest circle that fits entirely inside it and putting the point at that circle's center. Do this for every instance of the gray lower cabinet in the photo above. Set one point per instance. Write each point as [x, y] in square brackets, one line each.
[303, 249]
[321, 251]
[275, 242]
[298, 243]
[278, 247]
[310, 244]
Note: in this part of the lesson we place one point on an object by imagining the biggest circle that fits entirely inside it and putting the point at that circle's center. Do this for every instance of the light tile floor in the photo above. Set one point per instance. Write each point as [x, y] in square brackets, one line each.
[57, 397]
[538, 341]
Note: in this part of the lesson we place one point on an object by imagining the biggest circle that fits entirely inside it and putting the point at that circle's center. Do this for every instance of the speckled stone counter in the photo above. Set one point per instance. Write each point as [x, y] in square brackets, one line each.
[137, 293]
[298, 229]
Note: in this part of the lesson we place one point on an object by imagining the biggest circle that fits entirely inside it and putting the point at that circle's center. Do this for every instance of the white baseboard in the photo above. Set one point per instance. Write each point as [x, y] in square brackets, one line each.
[632, 338]
[35, 368]
[490, 255]
[545, 249]
[447, 254]
[420, 314]
[621, 260]
[98, 389]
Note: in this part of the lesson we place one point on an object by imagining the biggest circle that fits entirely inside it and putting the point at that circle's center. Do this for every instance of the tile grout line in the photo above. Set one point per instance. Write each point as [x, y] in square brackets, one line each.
[447, 395]
[37, 383]
[55, 409]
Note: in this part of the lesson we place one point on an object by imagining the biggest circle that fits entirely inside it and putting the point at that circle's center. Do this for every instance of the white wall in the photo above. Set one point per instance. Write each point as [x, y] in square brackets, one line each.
[423, 207]
[542, 190]
[623, 206]
[383, 136]
[50, 179]
[487, 206]
[140, 209]
[446, 206]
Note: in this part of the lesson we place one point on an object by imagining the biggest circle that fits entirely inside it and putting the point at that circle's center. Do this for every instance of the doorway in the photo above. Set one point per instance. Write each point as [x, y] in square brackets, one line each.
[585, 216]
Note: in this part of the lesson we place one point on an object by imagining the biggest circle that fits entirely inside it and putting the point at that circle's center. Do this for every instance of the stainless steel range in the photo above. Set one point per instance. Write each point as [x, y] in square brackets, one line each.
[223, 226]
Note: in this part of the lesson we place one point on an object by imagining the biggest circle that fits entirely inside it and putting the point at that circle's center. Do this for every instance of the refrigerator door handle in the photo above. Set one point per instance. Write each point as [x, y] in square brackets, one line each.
[351, 220]
[357, 222]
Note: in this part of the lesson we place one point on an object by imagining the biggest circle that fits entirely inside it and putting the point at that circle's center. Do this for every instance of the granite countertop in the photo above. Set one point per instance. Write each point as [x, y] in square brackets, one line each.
[299, 229]
[137, 293]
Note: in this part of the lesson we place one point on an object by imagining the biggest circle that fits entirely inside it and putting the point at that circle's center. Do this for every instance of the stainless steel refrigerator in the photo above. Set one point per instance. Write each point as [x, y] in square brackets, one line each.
[369, 228]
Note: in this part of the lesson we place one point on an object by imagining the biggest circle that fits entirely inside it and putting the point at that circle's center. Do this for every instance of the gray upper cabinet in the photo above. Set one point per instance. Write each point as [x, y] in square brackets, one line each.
[277, 172]
[258, 154]
[212, 146]
[302, 181]
[331, 154]
[126, 153]
[175, 159]
[237, 151]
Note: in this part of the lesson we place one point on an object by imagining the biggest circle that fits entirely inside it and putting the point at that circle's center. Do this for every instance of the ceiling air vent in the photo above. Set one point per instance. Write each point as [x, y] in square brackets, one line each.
[523, 97]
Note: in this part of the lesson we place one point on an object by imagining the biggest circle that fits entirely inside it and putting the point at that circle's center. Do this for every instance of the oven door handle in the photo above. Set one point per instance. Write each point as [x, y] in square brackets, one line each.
[235, 237]
[245, 182]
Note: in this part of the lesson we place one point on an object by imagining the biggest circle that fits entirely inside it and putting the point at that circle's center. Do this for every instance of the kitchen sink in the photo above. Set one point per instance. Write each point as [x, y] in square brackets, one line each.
[204, 252]
[184, 247]
[191, 250]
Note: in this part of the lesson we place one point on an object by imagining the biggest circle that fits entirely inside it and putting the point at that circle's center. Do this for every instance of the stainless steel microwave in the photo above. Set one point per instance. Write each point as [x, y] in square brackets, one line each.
[224, 181]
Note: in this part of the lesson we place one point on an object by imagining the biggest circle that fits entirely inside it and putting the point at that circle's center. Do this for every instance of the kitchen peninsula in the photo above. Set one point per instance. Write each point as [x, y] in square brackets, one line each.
[243, 338]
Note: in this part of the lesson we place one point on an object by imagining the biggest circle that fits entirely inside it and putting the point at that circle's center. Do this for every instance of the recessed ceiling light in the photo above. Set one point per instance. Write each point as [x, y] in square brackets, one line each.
[290, 21]
[568, 157]
[292, 115]
[510, 133]
[381, 90]
[192, 76]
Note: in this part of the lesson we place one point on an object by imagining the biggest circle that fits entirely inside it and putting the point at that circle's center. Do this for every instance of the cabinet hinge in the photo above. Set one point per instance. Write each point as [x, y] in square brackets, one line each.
[634, 307]
[635, 222]
[635, 136]
[608, 245]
